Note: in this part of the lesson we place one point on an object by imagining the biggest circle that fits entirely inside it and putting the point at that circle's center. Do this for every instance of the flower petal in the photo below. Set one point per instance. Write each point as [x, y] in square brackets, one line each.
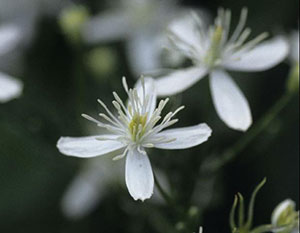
[10, 88]
[150, 90]
[185, 33]
[230, 103]
[144, 52]
[179, 81]
[138, 175]
[10, 35]
[186, 137]
[85, 147]
[264, 56]
[108, 26]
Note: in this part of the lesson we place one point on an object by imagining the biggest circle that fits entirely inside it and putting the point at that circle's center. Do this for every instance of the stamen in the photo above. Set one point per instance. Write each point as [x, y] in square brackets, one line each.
[125, 84]
[90, 118]
[240, 26]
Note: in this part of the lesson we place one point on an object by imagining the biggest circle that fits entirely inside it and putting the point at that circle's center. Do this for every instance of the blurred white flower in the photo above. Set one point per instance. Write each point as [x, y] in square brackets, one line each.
[93, 182]
[212, 51]
[135, 129]
[10, 87]
[140, 23]
[286, 216]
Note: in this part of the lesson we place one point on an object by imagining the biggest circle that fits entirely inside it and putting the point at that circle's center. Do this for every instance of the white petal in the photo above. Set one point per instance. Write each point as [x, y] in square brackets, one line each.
[10, 88]
[10, 35]
[230, 103]
[109, 26]
[264, 56]
[186, 32]
[139, 176]
[144, 52]
[186, 137]
[150, 90]
[179, 81]
[85, 147]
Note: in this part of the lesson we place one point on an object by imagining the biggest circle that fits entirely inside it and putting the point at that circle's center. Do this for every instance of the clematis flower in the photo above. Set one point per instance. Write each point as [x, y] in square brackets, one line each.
[213, 51]
[10, 87]
[140, 24]
[138, 126]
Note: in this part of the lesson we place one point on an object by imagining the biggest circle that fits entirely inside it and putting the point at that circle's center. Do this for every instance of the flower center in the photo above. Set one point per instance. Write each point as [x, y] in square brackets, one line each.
[137, 126]
[214, 51]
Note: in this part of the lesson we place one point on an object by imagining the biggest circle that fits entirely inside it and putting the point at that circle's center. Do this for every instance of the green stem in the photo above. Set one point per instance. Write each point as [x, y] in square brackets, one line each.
[163, 193]
[260, 126]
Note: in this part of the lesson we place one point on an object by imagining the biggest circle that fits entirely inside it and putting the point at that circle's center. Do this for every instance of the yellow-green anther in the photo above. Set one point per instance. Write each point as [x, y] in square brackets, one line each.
[137, 122]
[214, 50]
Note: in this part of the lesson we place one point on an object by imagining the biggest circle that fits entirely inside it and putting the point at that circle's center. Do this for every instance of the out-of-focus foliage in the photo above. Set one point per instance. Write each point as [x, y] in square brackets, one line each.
[62, 80]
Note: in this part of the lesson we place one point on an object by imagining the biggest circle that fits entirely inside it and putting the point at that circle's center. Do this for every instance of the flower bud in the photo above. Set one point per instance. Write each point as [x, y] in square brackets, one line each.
[71, 20]
[285, 214]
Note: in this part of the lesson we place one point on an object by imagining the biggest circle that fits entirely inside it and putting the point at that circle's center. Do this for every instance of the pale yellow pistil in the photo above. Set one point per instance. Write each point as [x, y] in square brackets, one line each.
[137, 126]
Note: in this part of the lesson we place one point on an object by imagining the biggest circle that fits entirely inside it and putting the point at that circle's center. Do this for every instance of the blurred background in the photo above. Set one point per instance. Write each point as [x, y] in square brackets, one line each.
[64, 71]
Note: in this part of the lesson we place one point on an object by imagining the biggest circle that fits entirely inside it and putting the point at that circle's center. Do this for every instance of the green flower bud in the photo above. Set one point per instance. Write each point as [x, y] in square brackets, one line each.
[285, 214]
[71, 20]
[101, 61]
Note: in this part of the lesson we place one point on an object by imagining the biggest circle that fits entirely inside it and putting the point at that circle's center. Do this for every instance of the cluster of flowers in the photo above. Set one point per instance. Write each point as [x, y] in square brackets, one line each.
[138, 123]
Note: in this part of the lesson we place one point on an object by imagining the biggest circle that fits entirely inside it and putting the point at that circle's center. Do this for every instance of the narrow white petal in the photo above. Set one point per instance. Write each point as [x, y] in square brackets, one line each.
[109, 26]
[264, 56]
[186, 32]
[10, 88]
[10, 35]
[230, 103]
[139, 176]
[85, 147]
[150, 90]
[144, 52]
[185, 137]
[179, 81]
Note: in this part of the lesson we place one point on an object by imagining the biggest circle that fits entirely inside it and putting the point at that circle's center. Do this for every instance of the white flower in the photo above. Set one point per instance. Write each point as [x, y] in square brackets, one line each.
[140, 23]
[212, 51]
[285, 215]
[10, 87]
[136, 128]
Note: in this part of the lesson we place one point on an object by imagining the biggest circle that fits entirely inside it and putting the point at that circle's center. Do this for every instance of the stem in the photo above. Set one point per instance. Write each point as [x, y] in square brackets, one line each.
[163, 193]
[260, 126]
